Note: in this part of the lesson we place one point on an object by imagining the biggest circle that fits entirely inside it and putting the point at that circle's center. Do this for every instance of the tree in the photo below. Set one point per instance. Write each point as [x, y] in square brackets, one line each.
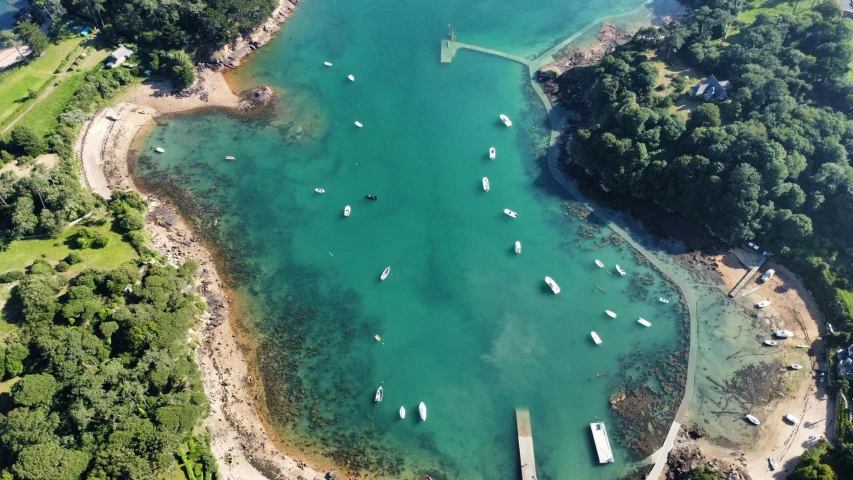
[24, 141]
[32, 36]
[24, 427]
[49, 461]
[706, 115]
[34, 390]
[8, 39]
[15, 356]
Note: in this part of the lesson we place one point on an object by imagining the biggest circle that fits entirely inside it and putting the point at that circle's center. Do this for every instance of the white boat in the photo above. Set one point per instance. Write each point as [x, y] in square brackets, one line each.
[379, 395]
[159, 150]
[610, 314]
[517, 247]
[319, 190]
[792, 419]
[784, 333]
[762, 304]
[753, 420]
[510, 213]
[358, 124]
[347, 211]
[802, 346]
[230, 157]
[663, 300]
[796, 366]
[402, 412]
[551, 283]
[595, 338]
[328, 64]
[486, 184]
[768, 275]
[619, 269]
[112, 116]
[770, 343]
[642, 321]
[772, 463]
[506, 120]
[385, 273]
[422, 411]
[599, 263]
[351, 78]
[492, 153]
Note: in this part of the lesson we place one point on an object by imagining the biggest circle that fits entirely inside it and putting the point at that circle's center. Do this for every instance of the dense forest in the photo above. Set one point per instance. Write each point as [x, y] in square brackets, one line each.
[769, 164]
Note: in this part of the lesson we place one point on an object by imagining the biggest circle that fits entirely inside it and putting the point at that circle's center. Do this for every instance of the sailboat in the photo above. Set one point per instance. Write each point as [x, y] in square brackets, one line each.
[610, 313]
[422, 411]
[385, 273]
[492, 153]
[402, 412]
[517, 247]
[159, 150]
[642, 321]
[328, 64]
[599, 263]
[351, 78]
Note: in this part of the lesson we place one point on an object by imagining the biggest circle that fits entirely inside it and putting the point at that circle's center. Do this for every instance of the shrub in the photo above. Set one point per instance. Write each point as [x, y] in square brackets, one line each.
[61, 267]
[11, 276]
[73, 258]
[85, 238]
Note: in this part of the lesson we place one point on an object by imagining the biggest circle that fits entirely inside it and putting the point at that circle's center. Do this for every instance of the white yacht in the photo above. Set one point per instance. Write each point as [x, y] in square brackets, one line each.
[517, 247]
[385, 273]
[379, 395]
[796, 366]
[506, 120]
[347, 211]
[510, 213]
[351, 78]
[595, 338]
[620, 270]
[492, 153]
[422, 411]
[551, 283]
[486, 184]
[159, 150]
[610, 313]
[358, 124]
[753, 420]
[784, 333]
[319, 190]
[599, 263]
[328, 64]
[792, 419]
[402, 412]
[642, 321]
[762, 304]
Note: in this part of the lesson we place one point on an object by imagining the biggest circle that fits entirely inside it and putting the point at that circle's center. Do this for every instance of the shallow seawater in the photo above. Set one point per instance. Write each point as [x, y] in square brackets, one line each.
[7, 12]
[467, 326]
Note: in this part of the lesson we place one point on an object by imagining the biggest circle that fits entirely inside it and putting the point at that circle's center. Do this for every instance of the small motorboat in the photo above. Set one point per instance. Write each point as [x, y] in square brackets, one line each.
[230, 157]
[351, 78]
[595, 338]
[112, 116]
[663, 300]
[492, 153]
[642, 321]
[347, 211]
[610, 313]
[620, 270]
[328, 64]
[770, 343]
[159, 150]
[506, 120]
[422, 411]
[753, 420]
[599, 263]
[319, 190]
[551, 283]
[486, 184]
[784, 333]
[378, 338]
[768, 275]
[402, 412]
[762, 304]
[796, 366]
[385, 273]
[379, 395]
[510, 213]
[371, 197]
[517, 247]
[358, 124]
[802, 346]
[772, 463]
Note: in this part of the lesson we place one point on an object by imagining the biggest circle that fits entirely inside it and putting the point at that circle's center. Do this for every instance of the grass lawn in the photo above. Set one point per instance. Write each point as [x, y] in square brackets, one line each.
[18, 81]
[847, 295]
[21, 253]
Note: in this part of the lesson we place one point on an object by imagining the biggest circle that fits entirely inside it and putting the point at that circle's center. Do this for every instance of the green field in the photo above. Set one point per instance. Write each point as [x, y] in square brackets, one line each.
[771, 7]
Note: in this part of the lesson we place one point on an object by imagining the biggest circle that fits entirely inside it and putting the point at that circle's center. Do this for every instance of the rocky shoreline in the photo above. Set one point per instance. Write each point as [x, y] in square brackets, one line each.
[233, 54]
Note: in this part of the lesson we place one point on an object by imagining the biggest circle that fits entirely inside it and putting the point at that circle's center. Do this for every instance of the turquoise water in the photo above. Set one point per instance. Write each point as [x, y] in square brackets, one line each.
[467, 326]
[7, 12]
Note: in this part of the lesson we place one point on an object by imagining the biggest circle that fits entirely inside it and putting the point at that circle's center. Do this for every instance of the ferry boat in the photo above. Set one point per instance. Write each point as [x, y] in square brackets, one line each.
[762, 304]
[358, 124]
[385, 273]
[230, 157]
[422, 411]
[596, 338]
[347, 211]
[796, 366]
[663, 300]
[486, 184]
[517, 247]
[402, 412]
[642, 321]
[159, 150]
[610, 314]
[784, 333]
[792, 419]
[768, 275]
[328, 64]
[506, 120]
[379, 395]
[599, 263]
[319, 190]
[619, 269]
[551, 283]
[492, 153]
[753, 420]
[351, 78]
[510, 213]
[770, 343]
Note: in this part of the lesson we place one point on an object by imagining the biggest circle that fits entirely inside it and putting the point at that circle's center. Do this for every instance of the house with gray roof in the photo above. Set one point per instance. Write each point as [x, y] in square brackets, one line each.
[121, 54]
[712, 90]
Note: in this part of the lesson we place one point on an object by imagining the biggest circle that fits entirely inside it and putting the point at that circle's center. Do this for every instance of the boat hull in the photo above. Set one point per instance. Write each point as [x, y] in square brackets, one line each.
[422, 411]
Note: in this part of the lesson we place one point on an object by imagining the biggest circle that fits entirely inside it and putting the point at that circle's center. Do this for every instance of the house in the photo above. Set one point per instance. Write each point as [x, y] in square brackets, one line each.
[711, 90]
[121, 54]
[845, 368]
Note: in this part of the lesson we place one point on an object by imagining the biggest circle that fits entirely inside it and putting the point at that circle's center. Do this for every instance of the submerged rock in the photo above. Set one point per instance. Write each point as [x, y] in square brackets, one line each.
[256, 98]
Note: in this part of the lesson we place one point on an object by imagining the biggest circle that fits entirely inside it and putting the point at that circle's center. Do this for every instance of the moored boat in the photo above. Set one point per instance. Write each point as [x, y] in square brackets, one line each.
[762, 304]
[351, 78]
[784, 333]
[378, 338]
[663, 300]
[358, 124]
[492, 153]
[753, 420]
[380, 394]
[402, 412]
[620, 270]
[551, 283]
[796, 366]
[642, 321]
[347, 211]
[610, 314]
[510, 213]
[385, 273]
[328, 64]
[371, 197]
[792, 419]
[599, 263]
[773, 463]
[486, 184]
[595, 338]
[770, 343]
[159, 150]
[422, 411]
[768, 275]
[230, 157]
[506, 120]
[517, 247]
[319, 190]
[802, 346]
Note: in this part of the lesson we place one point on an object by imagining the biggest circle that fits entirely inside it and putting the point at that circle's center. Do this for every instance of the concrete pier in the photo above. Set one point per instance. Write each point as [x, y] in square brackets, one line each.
[602, 443]
[525, 444]
[749, 276]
